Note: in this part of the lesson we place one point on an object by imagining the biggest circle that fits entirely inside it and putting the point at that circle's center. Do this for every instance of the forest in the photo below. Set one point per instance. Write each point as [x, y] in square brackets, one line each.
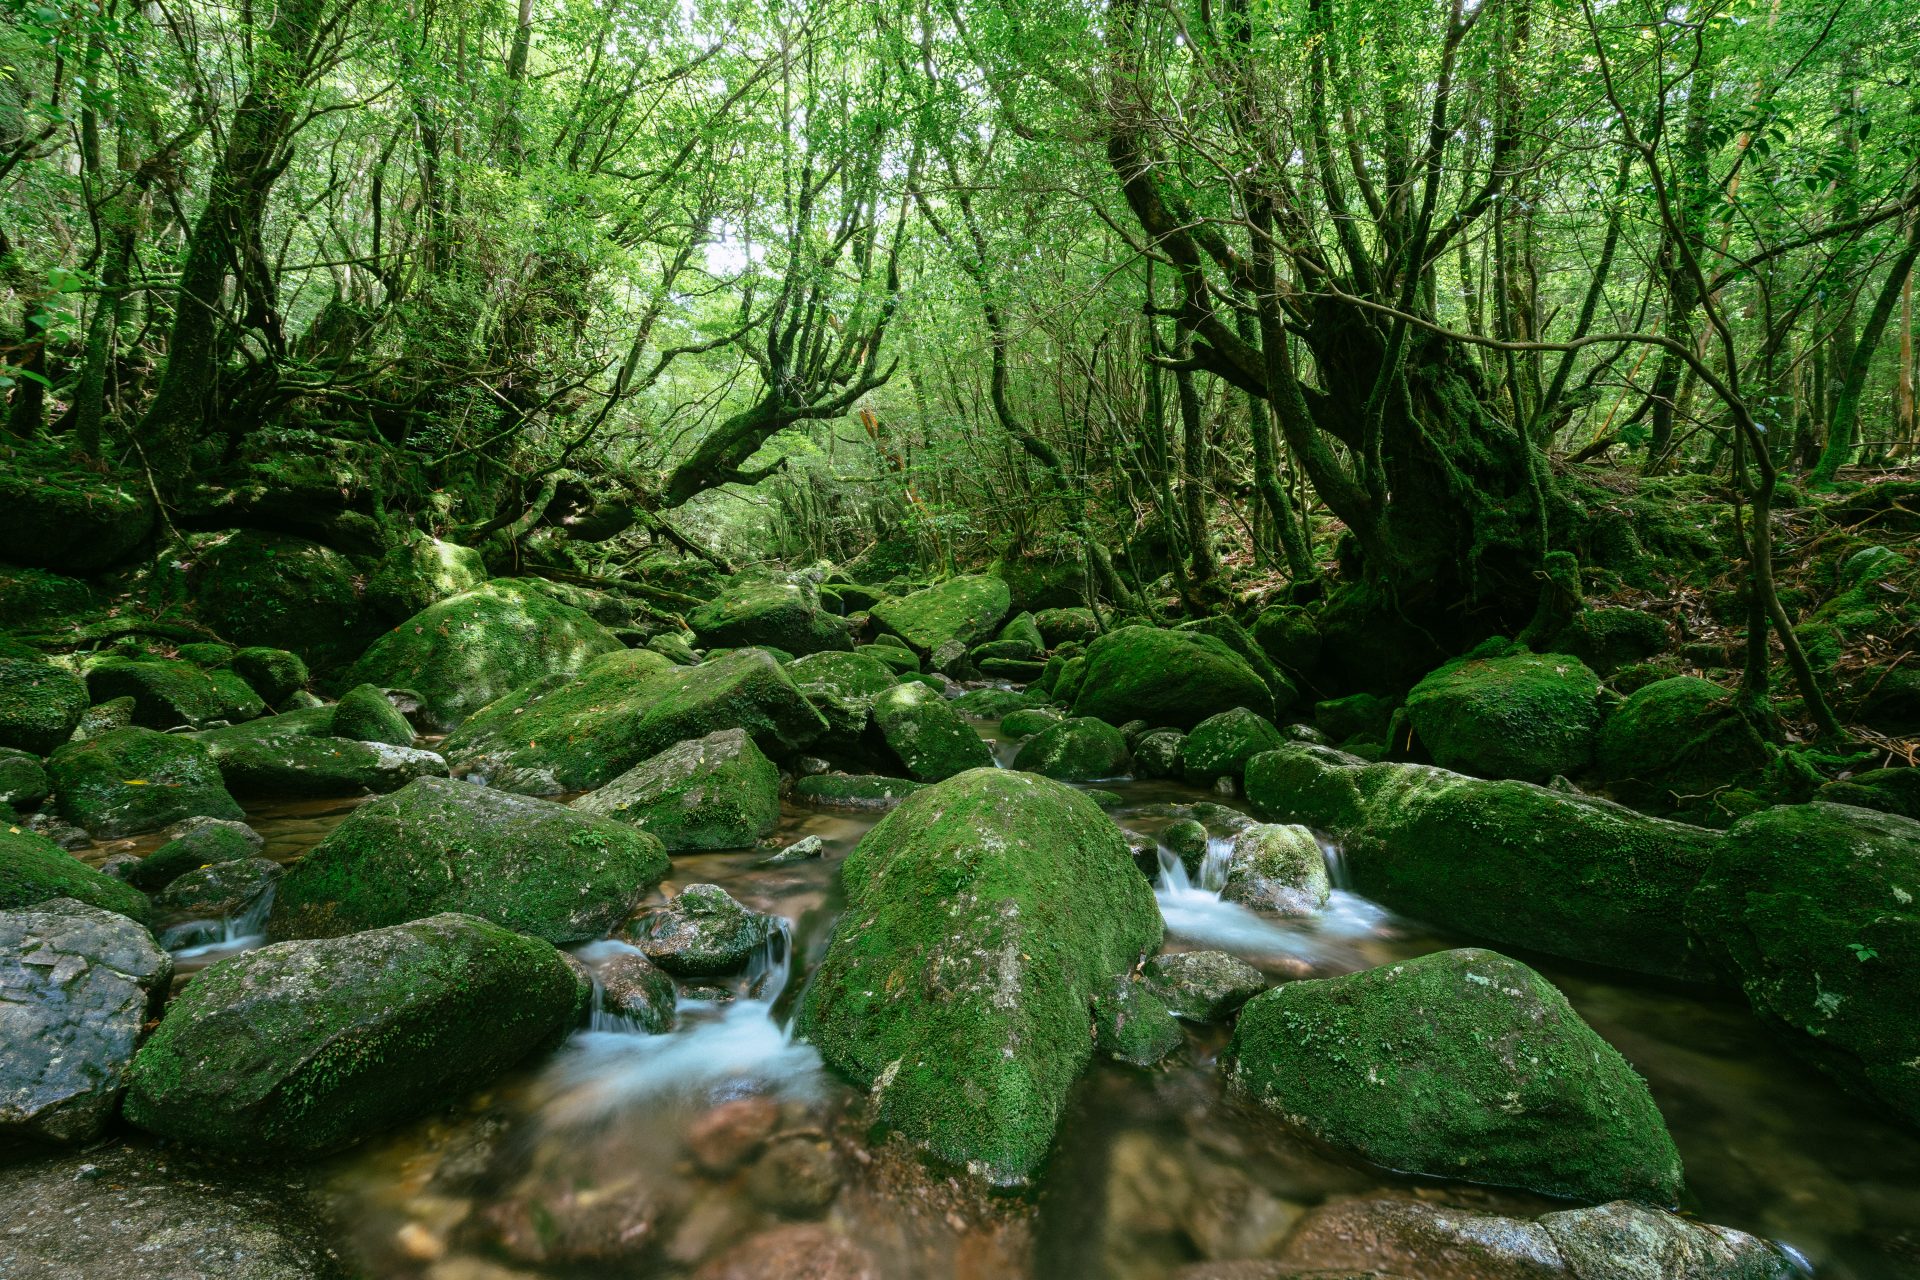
[976, 639]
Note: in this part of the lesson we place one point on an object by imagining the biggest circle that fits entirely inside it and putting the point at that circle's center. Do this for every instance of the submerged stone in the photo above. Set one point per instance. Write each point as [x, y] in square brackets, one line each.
[1461, 1064]
[716, 792]
[133, 780]
[302, 1048]
[969, 1024]
[1173, 678]
[930, 740]
[435, 845]
[1522, 715]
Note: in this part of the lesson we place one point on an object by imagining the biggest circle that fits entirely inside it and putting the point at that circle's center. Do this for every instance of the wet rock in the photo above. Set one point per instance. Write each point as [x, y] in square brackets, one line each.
[897, 658]
[470, 649]
[1520, 715]
[1133, 1025]
[1174, 678]
[104, 717]
[786, 615]
[801, 850]
[596, 1224]
[78, 983]
[23, 779]
[994, 704]
[140, 1215]
[1077, 750]
[299, 764]
[798, 1252]
[133, 780]
[1204, 986]
[1411, 1238]
[306, 1047]
[40, 705]
[971, 1023]
[842, 687]
[724, 1138]
[531, 865]
[797, 1176]
[52, 827]
[961, 611]
[930, 740]
[716, 792]
[702, 933]
[1811, 909]
[275, 674]
[1278, 868]
[207, 841]
[1459, 1064]
[856, 791]
[632, 988]
[1029, 721]
[365, 714]
[225, 890]
[1187, 839]
[1158, 754]
[1622, 1241]
[1221, 745]
[1677, 740]
[277, 591]
[1145, 850]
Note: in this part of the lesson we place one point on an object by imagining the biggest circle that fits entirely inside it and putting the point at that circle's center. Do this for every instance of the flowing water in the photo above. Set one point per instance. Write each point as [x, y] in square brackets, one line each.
[628, 1154]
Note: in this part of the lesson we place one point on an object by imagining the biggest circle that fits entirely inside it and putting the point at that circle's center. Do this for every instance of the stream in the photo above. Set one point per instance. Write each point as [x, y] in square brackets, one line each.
[626, 1154]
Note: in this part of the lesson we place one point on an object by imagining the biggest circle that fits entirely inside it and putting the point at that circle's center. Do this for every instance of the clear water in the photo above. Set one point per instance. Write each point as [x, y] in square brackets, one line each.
[585, 1164]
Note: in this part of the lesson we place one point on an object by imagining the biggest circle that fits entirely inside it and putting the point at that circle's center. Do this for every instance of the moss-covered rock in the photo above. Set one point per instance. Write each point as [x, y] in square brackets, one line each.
[755, 611]
[1158, 754]
[970, 1023]
[33, 869]
[274, 674]
[534, 866]
[306, 1047]
[1507, 861]
[702, 933]
[1461, 1064]
[1020, 638]
[1221, 745]
[419, 573]
[1811, 909]
[1290, 636]
[674, 647]
[219, 891]
[1028, 721]
[465, 651]
[1077, 750]
[35, 600]
[133, 780]
[1278, 868]
[1608, 639]
[842, 687]
[365, 714]
[40, 705]
[1065, 681]
[1133, 1025]
[854, 791]
[1236, 637]
[1204, 986]
[930, 740]
[297, 764]
[1676, 742]
[57, 516]
[281, 592]
[1173, 678]
[201, 845]
[994, 704]
[206, 654]
[896, 658]
[1358, 715]
[961, 611]
[716, 792]
[1888, 790]
[1075, 624]
[1522, 715]
[167, 694]
[23, 779]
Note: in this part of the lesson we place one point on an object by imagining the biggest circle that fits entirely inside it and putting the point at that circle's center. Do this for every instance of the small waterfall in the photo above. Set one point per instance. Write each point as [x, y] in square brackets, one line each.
[193, 939]
[1337, 872]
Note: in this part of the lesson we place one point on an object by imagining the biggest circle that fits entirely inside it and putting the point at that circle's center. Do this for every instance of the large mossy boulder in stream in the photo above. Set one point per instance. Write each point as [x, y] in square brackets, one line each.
[1172, 678]
[1811, 909]
[930, 739]
[465, 651]
[970, 1021]
[716, 792]
[300, 765]
[365, 714]
[1676, 742]
[757, 611]
[132, 780]
[1460, 1064]
[1221, 745]
[576, 734]
[531, 865]
[33, 870]
[40, 705]
[57, 516]
[1506, 861]
[843, 687]
[282, 592]
[1077, 750]
[1519, 715]
[960, 611]
[303, 1048]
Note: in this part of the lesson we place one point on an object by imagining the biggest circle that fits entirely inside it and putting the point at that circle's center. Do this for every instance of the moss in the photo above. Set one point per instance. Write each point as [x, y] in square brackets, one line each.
[926, 735]
[970, 1023]
[1174, 678]
[1608, 639]
[470, 649]
[132, 780]
[1186, 839]
[1028, 721]
[1241, 642]
[1060, 626]
[1811, 909]
[1020, 638]
[1133, 1025]
[1278, 868]
[35, 600]
[842, 687]
[33, 869]
[1461, 1064]
[1521, 715]
[1290, 636]
[282, 592]
[299, 764]
[365, 714]
[1077, 750]
[1888, 790]
[994, 704]
[167, 694]
[56, 516]
[897, 658]
[1221, 745]
[419, 573]
[200, 846]
[716, 792]
[702, 933]
[303, 1048]
[23, 779]
[1676, 742]
[758, 612]
[962, 611]
[859, 791]
[40, 705]
[1158, 754]
[274, 674]
[207, 655]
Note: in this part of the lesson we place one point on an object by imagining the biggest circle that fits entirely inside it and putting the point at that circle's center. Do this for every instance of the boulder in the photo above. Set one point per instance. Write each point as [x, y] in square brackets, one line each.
[104, 717]
[1020, 638]
[962, 611]
[1221, 745]
[79, 982]
[1675, 741]
[1290, 637]
[896, 658]
[1278, 868]
[716, 792]
[1204, 986]
[1625, 1241]
[842, 687]
[274, 674]
[365, 714]
[1077, 750]
[702, 933]
[58, 516]
[930, 740]
[1810, 908]
[281, 592]
[222, 891]
[970, 1023]
[1236, 637]
[33, 870]
[132, 780]
[1187, 839]
[1358, 715]
[755, 611]
[856, 791]
[636, 992]
[1507, 861]
[1894, 790]
[167, 694]
[1074, 624]
[1460, 1064]
[200, 845]
[419, 573]
[1522, 715]
[35, 600]
[40, 705]
[469, 649]
[531, 865]
[1608, 639]
[302, 765]
[994, 704]
[23, 779]
[1173, 678]
[305, 1047]
[1133, 1025]
[1160, 754]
